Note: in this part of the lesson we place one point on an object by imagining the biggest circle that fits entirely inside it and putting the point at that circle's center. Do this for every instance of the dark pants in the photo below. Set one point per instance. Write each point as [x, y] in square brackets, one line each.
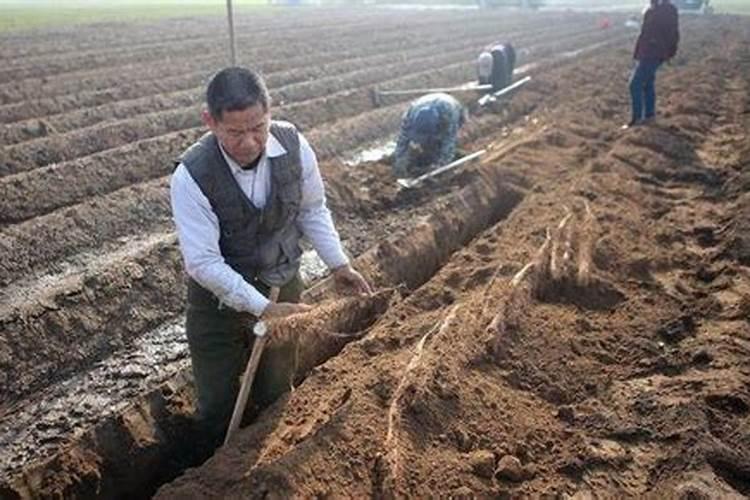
[500, 76]
[220, 342]
[642, 89]
[510, 56]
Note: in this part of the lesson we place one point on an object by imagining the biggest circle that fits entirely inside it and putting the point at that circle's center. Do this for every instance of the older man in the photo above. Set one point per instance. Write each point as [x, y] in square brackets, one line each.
[242, 198]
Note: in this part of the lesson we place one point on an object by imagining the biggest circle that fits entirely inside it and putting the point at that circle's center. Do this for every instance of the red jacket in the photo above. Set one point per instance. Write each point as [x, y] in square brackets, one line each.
[660, 33]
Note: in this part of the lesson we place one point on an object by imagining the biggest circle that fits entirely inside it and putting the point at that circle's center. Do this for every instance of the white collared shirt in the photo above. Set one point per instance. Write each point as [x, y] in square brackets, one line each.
[198, 226]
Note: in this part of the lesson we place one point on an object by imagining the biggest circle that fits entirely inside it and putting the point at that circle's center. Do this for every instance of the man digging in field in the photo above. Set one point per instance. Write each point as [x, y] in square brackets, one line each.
[428, 135]
[242, 197]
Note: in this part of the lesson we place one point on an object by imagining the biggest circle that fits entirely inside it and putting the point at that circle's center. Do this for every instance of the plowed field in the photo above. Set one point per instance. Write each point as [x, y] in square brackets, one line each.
[566, 317]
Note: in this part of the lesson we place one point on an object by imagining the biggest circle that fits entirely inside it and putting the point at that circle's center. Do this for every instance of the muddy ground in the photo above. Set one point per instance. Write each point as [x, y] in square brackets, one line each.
[615, 364]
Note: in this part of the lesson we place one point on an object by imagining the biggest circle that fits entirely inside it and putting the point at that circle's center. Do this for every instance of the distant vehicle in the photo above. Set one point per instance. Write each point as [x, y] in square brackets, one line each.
[524, 4]
[694, 5]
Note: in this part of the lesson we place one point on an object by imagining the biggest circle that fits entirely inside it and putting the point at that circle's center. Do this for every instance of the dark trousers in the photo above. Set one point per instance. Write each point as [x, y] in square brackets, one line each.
[642, 89]
[500, 76]
[220, 342]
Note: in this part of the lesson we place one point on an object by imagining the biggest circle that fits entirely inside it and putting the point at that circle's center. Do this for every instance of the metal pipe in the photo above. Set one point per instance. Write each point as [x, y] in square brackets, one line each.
[489, 97]
[232, 46]
[410, 183]
[440, 89]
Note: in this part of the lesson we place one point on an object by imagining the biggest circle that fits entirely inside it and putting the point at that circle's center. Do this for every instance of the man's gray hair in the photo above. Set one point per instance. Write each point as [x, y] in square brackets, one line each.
[235, 89]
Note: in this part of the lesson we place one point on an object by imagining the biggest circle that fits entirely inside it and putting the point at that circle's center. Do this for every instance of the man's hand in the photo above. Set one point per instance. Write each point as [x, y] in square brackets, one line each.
[346, 277]
[282, 309]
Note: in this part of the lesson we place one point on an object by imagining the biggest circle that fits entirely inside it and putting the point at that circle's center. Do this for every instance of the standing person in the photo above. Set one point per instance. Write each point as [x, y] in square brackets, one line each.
[656, 44]
[428, 135]
[242, 197]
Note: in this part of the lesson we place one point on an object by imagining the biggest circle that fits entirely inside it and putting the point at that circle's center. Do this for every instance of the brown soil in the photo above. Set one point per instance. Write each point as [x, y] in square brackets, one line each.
[614, 364]
[632, 382]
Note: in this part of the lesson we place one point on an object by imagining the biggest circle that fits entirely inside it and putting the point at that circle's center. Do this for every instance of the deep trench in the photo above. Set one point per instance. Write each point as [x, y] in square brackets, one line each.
[149, 438]
[151, 441]
[130, 451]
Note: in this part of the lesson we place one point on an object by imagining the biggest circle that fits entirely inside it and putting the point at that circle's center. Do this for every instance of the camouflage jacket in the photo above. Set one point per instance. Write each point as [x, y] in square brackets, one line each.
[440, 149]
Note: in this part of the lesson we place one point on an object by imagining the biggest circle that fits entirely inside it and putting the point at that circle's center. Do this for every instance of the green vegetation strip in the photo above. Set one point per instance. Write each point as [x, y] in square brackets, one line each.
[35, 14]
[17, 15]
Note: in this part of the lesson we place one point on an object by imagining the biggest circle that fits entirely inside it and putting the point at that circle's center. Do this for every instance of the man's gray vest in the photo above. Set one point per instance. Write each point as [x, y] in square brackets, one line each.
[261, 245]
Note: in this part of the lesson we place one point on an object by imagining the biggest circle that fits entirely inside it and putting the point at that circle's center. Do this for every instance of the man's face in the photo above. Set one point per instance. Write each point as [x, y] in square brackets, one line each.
[243, 134]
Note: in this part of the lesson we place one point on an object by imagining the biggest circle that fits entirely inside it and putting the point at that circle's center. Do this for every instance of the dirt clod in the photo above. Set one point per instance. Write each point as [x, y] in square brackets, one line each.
[482, 463]
[510, 468]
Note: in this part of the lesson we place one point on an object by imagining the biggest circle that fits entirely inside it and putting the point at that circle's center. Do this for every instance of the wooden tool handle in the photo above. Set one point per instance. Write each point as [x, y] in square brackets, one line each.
[247, 383]
[249, 375]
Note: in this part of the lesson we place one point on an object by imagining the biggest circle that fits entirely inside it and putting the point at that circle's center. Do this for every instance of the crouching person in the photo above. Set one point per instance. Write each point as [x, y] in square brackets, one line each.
[428, 135]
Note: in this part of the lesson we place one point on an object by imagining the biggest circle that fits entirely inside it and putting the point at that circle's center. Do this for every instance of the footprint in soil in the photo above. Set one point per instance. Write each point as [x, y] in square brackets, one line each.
[599, 295]
[482, 249]
[728, 403]
[732, 465]
[678, 329]
[705, 236]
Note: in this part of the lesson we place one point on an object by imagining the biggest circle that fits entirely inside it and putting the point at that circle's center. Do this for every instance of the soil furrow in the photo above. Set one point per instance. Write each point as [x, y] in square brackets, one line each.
[261, 55]
[592, 343]
[65, 122]
[110, 170]
[556, 403]
[141, 84]
[153, 194]
[83, 234]
[107, 59]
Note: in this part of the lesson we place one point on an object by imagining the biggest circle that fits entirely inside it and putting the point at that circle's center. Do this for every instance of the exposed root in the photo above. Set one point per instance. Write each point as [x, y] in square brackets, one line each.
[555, 266]
[538, 272]
[551, 272]
[390, 462]
[568, 247]
[511, 310]
[324, 331]
[587, 247]
[520, 296]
